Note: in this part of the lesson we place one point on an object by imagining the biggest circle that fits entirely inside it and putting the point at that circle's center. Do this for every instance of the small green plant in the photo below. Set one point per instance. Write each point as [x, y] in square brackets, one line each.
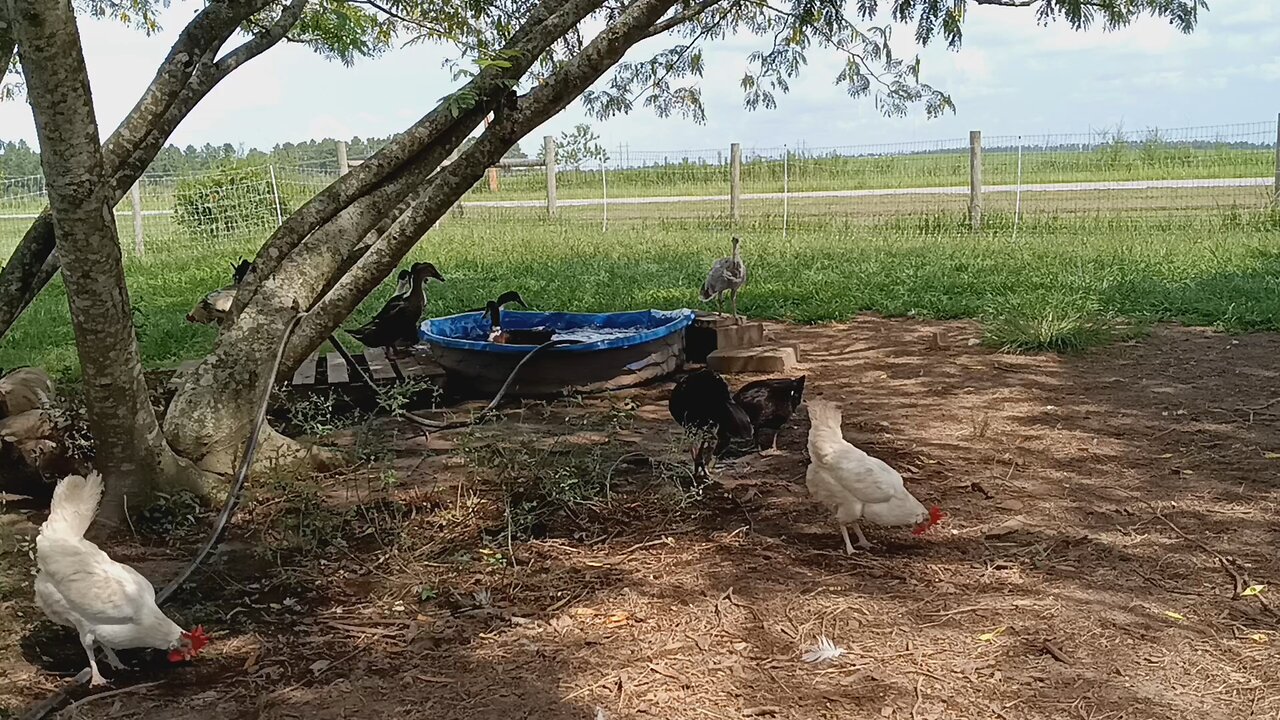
[1048, 325]
[170, 515]
[223, 204]
[315, 415]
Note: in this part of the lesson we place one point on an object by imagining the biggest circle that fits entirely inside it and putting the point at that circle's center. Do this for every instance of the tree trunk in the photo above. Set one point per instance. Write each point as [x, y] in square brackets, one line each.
[186, 76]
[449, 184]
[8, 43]
[217, 393]
[546, 24]
[130, 449]
[204, 419]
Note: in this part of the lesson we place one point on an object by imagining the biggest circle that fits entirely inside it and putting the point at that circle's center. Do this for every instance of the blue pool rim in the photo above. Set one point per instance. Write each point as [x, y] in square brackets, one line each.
[673, 321]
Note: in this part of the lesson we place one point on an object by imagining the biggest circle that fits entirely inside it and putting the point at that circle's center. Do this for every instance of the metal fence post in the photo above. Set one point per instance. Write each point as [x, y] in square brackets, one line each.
[975, 179]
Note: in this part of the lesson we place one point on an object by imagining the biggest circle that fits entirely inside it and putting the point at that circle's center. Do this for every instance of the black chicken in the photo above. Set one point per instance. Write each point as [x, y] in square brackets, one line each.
[769, 404]
[396, 324]
[702, 403]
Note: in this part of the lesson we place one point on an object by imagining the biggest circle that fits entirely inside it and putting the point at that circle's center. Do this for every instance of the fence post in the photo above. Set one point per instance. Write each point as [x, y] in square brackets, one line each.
[735, 181]
[344, 166]
[135, 199]
[549, 159]
[975, 178]
[1276, 198]
[786, 187]
[275, 193]
[493, 171]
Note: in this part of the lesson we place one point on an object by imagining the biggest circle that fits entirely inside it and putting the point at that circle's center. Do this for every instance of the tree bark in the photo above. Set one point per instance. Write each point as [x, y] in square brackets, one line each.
[544, 25]
[8, 43]
[189, 72]
[296, 266]
[204, 416]
[450, 183]
[130, 449]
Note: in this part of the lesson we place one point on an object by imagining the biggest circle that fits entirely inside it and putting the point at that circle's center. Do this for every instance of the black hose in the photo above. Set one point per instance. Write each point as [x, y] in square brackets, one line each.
[51, 703]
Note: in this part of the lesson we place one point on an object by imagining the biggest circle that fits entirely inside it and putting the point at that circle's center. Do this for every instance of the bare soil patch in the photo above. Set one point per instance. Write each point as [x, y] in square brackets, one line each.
[1104, 513]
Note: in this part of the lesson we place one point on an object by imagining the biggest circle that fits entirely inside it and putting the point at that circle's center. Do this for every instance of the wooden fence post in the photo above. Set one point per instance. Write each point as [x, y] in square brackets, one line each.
[493, 171]
[735, 181]
[344, 165]
[549, 159]
[135, 199]
[975, 179]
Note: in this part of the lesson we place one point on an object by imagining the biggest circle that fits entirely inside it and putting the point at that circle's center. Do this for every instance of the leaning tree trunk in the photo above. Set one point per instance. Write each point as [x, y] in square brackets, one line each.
[130, 449]
[189, 72]
[216, 391]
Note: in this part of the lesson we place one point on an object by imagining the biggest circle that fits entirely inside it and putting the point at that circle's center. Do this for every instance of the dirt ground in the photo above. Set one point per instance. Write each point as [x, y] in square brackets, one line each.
[1108, 515]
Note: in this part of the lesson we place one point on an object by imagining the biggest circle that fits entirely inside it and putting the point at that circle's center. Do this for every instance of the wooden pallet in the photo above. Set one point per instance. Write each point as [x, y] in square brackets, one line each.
[330, 369]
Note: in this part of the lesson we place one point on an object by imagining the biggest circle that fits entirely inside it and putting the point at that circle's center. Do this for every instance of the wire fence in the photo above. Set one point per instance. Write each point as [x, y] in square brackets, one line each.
[1031, 183]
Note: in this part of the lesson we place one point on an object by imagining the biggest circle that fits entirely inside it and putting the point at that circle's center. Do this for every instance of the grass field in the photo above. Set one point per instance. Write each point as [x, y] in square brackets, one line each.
[1079, 262]
[676, 176]
[1060, 285]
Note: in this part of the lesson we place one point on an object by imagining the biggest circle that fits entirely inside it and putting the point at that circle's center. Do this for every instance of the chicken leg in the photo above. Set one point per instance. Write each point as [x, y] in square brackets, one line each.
[773, 450]
[95, 677]
[112, 660]
[863, 542]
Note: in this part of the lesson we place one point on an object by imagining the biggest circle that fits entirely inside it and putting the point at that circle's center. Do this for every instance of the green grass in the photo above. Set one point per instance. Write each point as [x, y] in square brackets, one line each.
[679, 176]
[1059, 286]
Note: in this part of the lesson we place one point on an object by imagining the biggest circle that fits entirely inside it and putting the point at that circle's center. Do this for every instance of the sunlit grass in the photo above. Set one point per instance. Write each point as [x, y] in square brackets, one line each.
[1061, 286]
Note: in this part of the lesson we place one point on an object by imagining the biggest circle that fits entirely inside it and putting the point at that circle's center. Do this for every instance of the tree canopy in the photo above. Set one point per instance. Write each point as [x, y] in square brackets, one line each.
[518, 63]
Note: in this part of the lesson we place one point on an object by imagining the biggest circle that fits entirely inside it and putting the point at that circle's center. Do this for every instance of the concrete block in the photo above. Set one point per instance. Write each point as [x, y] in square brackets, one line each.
[776, 360]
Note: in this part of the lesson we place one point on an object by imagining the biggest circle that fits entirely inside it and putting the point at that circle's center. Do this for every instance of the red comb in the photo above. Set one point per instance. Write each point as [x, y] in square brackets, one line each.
[199, 639]
[935, 516]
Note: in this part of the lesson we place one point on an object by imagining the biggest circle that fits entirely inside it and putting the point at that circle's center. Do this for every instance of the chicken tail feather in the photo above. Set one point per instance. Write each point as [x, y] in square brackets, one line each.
[824, 416]
[75, 502]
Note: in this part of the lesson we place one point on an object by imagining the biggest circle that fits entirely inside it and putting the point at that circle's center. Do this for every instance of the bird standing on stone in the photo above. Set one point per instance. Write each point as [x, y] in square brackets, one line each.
[727, 275]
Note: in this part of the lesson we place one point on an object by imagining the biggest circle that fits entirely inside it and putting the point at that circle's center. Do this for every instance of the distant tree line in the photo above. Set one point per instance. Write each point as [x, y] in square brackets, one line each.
[18, 159]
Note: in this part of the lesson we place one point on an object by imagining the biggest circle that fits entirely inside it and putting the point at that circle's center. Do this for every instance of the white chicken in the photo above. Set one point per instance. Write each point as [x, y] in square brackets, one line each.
[108, 603]
[857, 486]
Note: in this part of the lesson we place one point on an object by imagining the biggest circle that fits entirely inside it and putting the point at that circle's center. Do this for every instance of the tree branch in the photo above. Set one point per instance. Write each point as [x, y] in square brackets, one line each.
[263, 40]
[181, 81]
[684, 16]
[8, 43]
[451, 182]
[542, 28]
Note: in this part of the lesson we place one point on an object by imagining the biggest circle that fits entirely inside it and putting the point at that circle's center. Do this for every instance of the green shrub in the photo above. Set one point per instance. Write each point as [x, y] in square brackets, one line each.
[227, 202]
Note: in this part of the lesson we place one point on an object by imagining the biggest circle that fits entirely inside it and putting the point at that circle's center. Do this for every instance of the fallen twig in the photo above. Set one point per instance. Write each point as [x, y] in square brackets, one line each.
[1057, 654]
[915, 707]
[70, 709]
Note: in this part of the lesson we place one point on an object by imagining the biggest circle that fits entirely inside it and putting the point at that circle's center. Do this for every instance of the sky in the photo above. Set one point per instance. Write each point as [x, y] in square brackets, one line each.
[1012, 77]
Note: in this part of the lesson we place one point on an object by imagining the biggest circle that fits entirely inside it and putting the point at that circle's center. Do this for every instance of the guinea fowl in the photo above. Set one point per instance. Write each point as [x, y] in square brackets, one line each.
[770, 404]
[727, 274]
[702, 403]
[24, 389]
[395, 327]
